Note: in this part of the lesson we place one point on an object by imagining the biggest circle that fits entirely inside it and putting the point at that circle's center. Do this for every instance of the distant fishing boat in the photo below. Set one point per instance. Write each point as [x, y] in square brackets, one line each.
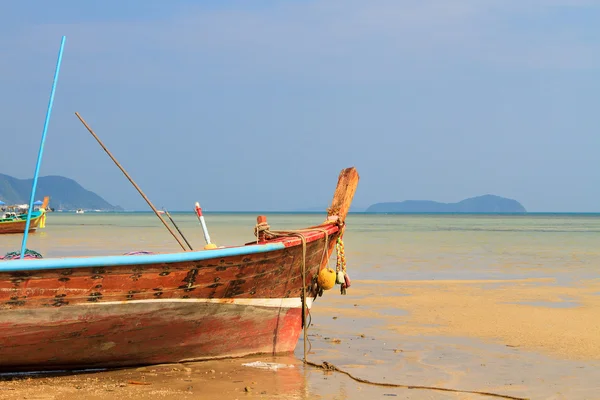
[144, 308]
[13, 218]
[79, 211]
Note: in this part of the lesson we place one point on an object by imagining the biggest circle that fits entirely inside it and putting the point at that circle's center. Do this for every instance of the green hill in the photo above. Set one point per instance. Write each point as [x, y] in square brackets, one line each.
[481, 204]
[65, 193]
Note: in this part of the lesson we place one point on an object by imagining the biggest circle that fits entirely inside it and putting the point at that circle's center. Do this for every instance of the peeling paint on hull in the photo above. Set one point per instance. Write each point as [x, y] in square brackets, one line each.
[144, 333]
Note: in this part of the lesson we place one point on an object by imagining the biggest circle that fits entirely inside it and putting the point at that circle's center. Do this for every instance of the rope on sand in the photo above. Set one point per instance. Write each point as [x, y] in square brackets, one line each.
[330, 367]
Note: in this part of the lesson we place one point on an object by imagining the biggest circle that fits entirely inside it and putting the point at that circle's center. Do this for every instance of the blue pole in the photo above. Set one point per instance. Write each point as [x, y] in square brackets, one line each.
[39, 159]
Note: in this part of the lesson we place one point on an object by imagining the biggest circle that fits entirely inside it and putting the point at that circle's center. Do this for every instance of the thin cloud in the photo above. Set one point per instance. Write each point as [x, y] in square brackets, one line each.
[335, 41]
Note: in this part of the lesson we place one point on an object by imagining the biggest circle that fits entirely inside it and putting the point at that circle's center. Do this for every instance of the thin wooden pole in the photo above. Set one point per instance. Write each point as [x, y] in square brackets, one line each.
[178, 230]
[132, 182]
[41, 151]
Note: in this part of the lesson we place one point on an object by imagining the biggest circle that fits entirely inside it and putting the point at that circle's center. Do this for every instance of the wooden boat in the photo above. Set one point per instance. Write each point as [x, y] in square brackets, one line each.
[15, 222]
[115, 311]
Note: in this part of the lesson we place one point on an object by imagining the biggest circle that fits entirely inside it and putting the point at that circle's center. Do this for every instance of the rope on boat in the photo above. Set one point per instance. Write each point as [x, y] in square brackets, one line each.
[341, 264]
[263, 229]
[330, 367]
[13, 255]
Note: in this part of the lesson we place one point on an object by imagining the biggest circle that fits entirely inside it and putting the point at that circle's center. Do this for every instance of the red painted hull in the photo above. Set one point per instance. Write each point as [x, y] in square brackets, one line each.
[129, 310]
[147, 333]
[70, 318]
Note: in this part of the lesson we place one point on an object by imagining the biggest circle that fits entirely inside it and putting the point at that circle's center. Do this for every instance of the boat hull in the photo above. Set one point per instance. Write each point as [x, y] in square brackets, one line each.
[136, 314]
[114, 311]
[19, 226]
[139, 333]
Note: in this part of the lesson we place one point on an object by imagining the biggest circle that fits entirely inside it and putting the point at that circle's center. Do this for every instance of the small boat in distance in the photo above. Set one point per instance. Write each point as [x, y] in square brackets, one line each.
[145, 308]
[79, 211]
[14, 218]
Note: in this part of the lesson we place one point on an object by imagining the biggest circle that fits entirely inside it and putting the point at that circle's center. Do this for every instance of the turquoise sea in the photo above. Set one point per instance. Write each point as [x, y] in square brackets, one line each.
[505, 303]
[402, 246]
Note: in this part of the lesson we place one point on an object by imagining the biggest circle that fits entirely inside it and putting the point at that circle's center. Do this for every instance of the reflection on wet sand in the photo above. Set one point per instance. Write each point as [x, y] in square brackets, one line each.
[469, 335]
[225, 379]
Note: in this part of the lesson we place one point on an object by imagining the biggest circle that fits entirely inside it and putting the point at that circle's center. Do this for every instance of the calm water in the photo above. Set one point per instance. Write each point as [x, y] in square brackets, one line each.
[377, 246]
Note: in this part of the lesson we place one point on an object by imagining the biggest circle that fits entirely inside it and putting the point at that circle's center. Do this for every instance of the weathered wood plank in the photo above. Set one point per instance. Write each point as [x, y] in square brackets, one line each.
[344, 193]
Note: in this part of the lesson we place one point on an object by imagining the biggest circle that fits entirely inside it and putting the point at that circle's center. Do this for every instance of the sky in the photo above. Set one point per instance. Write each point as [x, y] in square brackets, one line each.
[258, 105]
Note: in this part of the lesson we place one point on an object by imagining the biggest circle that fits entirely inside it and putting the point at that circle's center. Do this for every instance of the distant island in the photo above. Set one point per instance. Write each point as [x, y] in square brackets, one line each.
[65, 193]
[480, 204]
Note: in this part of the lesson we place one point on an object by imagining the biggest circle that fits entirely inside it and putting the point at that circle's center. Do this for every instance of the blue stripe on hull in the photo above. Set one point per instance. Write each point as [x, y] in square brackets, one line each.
[111, 261]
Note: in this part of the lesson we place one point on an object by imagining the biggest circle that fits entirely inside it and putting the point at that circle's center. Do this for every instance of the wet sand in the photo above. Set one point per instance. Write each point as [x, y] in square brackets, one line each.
[526, 337]
[534, 314]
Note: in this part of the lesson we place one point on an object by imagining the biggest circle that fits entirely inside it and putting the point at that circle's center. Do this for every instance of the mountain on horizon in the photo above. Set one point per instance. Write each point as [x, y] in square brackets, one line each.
[481, 204]
[65, 193]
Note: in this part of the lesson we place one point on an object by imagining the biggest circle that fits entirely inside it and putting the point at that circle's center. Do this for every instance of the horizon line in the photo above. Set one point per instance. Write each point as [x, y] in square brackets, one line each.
[350, 212]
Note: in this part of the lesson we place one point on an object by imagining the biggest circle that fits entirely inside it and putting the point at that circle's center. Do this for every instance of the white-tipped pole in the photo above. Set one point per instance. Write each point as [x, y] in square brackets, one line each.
[209, 244]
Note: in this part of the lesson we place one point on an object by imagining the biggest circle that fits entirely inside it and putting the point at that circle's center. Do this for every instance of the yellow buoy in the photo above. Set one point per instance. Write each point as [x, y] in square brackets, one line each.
[326, 278]
[210, 246]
